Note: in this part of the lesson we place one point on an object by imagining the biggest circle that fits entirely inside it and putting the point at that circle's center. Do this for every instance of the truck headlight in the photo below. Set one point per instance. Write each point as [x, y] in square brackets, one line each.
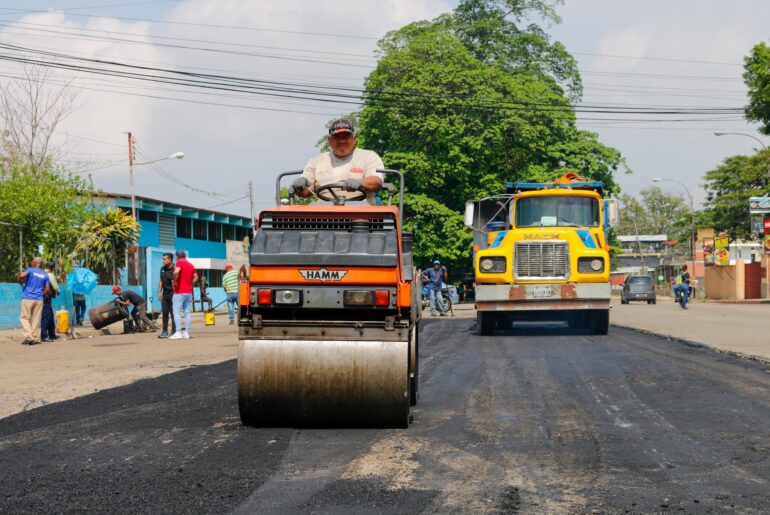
[492, 264]
[589, 265]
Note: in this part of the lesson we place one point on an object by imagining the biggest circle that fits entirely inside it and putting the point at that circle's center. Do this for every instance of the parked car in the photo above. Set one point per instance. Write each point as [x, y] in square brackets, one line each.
[638, 287]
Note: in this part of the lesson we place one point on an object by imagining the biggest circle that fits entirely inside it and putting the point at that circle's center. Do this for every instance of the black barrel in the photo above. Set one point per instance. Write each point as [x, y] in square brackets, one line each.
[106, 314]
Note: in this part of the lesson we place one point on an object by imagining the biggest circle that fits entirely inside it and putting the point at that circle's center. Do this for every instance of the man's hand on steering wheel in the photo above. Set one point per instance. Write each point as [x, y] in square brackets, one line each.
[354, 184]
[326, 192]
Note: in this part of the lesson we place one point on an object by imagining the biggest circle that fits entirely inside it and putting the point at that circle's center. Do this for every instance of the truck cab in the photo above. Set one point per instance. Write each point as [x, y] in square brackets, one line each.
[541, 254]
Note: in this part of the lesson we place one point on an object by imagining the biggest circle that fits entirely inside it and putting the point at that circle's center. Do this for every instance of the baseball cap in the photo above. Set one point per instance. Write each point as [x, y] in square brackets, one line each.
[115, 289]
[436, 262]
[228, 267]
[341, 125]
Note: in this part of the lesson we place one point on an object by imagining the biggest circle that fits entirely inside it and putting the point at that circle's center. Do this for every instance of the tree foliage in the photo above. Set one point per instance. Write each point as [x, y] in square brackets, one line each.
[757, 78]
[50, 205]
[655, 212]
[728, 188]
[106, 236]
[431, 222]
[474, 99]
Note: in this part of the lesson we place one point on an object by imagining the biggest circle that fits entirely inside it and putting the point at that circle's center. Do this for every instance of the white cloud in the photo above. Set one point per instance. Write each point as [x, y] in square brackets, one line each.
[225, 147]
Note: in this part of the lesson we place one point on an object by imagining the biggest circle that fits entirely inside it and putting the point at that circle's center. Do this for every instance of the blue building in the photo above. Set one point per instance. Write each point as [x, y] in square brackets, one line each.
[212, 240]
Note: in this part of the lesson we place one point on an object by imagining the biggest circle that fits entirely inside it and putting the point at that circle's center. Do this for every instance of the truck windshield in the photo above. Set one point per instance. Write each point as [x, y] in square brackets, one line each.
[564, 211]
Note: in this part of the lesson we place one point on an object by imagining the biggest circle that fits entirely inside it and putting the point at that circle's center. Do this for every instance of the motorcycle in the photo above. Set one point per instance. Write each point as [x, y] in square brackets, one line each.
[445, 299]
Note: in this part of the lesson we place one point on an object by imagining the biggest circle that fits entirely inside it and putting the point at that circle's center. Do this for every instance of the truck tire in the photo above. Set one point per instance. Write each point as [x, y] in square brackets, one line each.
[485, 324]
[601, 322]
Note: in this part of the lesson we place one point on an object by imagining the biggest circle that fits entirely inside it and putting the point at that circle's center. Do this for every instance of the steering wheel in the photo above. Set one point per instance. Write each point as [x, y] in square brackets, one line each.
[327, 193]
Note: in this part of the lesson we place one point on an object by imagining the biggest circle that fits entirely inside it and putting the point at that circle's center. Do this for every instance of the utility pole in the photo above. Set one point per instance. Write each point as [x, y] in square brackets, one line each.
[131, 157]
[639, 244]
[251, 200]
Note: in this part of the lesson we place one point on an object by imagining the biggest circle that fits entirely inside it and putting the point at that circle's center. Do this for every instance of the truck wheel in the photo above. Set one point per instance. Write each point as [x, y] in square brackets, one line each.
[601, 322]
[485, 324]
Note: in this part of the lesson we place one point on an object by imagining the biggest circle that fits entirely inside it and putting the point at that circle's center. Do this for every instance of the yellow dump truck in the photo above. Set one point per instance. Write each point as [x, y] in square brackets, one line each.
[541, 254]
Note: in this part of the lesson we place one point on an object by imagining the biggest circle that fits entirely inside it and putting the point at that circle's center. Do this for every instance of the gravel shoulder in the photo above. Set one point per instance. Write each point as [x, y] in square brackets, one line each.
[33, 376]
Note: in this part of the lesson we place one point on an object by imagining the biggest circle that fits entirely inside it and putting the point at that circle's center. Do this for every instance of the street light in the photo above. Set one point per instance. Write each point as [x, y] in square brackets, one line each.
[176, 155]
[764, 147]
[692, 215]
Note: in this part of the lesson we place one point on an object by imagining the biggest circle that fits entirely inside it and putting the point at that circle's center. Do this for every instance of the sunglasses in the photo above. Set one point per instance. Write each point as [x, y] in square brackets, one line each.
[342, 136]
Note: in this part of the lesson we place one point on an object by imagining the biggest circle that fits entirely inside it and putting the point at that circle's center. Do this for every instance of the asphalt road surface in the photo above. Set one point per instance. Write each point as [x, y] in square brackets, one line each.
[530, 421]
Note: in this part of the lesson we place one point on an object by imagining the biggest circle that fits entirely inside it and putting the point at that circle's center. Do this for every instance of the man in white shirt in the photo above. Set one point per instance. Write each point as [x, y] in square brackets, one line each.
[355, 167]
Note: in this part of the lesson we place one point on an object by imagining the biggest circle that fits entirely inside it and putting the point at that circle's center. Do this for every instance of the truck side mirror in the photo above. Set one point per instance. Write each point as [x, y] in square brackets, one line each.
[469, 207]
[612, 211]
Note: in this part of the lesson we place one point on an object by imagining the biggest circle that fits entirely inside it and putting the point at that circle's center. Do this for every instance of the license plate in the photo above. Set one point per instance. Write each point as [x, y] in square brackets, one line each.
[541, 291]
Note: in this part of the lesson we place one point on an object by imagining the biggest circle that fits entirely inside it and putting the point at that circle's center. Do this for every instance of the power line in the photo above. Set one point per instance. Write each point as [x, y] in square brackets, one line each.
[319, 94]
[206, 25]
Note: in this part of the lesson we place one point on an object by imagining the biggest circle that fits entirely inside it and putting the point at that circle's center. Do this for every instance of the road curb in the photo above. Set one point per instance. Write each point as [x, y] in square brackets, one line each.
[700, 345]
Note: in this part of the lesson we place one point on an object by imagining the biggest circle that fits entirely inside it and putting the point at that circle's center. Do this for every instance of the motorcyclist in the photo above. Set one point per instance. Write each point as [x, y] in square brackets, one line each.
[344, 163]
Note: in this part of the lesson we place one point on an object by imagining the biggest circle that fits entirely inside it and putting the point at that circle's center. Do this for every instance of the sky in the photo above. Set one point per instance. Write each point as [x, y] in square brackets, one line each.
[653, 54]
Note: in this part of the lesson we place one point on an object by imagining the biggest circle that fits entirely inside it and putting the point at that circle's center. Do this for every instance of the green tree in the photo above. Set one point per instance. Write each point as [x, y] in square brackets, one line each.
[656, 212]
[728, 188]
[757, 78]
[106, 236]
[474, 99]
[431, 222]
[50, 205]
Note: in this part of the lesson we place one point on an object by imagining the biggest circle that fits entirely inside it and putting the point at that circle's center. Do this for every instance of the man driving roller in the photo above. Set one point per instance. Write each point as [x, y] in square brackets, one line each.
[344, 163]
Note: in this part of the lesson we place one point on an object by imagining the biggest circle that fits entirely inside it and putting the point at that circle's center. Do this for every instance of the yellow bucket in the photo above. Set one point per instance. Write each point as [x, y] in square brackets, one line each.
[62, 321]
[208, 318]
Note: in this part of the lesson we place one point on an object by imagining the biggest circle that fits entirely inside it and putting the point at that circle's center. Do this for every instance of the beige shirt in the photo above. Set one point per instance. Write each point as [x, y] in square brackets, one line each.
[326, 168]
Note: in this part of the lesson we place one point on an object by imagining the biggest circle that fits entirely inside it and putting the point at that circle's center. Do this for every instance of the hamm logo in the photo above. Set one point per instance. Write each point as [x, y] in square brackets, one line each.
[323, 275]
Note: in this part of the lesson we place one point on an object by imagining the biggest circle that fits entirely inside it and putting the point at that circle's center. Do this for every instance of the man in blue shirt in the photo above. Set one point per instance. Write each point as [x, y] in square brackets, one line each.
[434, 282]
[35, 284]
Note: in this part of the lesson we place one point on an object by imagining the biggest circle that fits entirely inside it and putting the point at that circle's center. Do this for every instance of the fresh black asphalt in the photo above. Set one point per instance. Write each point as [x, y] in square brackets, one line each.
[528, 421]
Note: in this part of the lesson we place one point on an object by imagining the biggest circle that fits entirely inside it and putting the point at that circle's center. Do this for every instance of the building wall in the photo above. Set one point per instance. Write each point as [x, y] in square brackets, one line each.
[10, 301]
[149, 235]
[725, 282]
[201, 248]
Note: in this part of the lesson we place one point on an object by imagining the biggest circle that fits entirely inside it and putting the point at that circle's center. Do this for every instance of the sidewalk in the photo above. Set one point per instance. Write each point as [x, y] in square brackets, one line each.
[32, 376]
[741, 329]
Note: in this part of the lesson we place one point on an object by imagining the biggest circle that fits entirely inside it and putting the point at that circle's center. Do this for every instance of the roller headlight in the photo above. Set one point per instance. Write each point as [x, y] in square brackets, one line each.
[597, 265]
[492, 264]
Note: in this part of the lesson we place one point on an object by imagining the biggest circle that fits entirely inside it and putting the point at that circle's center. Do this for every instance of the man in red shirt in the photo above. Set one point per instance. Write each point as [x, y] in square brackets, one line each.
[184, 278]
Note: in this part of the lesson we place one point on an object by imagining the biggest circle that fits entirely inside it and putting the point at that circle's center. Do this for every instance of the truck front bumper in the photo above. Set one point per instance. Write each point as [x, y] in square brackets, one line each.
[540, 297]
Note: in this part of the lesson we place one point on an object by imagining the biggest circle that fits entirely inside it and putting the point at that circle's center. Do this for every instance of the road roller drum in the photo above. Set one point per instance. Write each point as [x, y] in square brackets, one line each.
[323, 383]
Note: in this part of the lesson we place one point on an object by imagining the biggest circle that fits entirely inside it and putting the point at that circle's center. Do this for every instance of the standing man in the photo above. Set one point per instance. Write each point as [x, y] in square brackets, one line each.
[79, 301]
[139, 312]
[48, 324]
[166, 293]
[230, 283]
[35, 284]
[184, 278]
[684, 289]
[434, 279]
[356, 167]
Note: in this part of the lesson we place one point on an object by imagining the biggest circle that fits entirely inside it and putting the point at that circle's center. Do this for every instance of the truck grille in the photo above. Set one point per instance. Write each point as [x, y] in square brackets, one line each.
[541, 260]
